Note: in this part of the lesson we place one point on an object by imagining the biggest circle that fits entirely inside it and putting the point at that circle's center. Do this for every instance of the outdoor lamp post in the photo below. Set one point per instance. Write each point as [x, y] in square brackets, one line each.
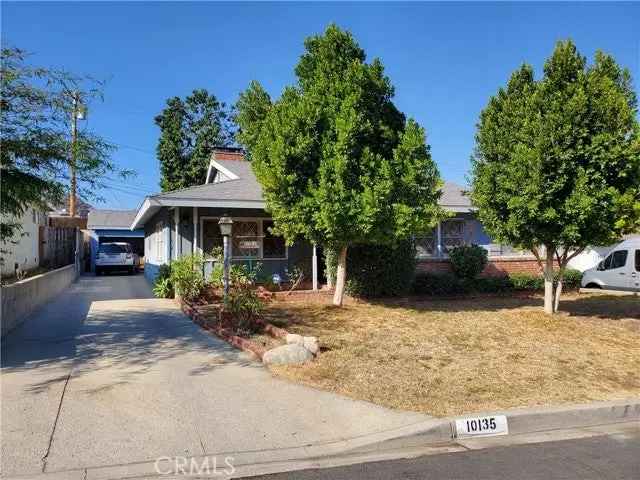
[226, 225]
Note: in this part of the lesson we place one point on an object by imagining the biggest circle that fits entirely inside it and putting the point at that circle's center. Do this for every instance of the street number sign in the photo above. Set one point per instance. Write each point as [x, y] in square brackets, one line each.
[482, 426]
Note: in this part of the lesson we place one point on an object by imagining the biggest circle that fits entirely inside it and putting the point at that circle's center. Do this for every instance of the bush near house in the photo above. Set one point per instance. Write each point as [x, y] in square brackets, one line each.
[187, 276]
[162, 287]
[426, 283]
[468, 261]
[381, 270]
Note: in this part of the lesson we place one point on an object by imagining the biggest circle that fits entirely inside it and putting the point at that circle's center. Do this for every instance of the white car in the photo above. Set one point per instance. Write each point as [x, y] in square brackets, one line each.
[116, 256]
[620, 270]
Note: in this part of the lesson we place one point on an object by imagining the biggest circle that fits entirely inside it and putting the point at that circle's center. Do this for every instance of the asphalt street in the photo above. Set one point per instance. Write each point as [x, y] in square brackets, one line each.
[606, 457]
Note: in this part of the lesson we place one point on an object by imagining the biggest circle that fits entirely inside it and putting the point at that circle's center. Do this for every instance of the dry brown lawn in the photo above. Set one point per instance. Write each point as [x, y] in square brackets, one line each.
[449, 357]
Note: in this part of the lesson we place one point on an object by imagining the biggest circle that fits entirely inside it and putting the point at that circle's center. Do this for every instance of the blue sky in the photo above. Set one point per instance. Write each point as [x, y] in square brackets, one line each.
[445, 60]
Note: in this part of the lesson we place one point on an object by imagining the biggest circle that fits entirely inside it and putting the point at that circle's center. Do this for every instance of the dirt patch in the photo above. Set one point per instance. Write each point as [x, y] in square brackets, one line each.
[456, 356]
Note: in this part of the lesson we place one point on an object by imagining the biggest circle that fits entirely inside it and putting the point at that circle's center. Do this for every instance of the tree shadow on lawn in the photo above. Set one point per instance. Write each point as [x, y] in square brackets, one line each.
[607, 307]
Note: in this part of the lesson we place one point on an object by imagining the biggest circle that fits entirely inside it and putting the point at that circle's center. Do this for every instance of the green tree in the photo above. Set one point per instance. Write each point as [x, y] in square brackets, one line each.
[189, 131]
[338, 162]
[36, 105]
[557, 160]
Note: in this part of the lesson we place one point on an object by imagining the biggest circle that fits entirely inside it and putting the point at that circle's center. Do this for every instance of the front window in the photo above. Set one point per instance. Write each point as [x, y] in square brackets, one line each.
[637, 260]
[245, 242]
[452, 234]
[426, 244]
[211, 236]
[159, 234]
[272, 246]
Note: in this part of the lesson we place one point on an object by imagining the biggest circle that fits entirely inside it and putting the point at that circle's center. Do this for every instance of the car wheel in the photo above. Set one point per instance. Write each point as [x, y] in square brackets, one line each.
[98, 272]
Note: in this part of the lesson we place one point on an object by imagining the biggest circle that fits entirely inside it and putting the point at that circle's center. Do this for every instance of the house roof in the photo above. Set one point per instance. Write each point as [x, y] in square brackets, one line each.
[454, 198]
[110, 219]
[241, 189]
[62, 210]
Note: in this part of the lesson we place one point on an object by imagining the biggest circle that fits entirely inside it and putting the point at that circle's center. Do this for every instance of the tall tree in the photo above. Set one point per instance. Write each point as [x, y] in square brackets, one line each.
[189, 131]
[36, 105]
[557, 160]
[338, 162]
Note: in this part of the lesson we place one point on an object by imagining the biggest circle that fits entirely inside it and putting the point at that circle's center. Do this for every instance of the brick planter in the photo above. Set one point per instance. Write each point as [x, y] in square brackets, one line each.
[227, 335]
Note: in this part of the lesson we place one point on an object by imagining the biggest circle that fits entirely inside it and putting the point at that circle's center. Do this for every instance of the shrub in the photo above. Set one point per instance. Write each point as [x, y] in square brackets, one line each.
[426, 283]
[162, 287]
[525, 281]
[571, 279]
[187, 276]
[490, 285]
[238, 274]
[244, 304]
[468, 261]
[381, 270]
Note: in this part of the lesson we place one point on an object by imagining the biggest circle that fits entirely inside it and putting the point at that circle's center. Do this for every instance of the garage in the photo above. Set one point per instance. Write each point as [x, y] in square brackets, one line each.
[108, 226]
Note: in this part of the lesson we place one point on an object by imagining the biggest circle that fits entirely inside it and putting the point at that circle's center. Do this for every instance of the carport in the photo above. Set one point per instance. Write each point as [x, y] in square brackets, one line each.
[113, 226]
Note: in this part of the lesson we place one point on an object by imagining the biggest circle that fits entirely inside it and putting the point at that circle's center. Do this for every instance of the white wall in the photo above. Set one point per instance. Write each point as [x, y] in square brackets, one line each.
[25, 251]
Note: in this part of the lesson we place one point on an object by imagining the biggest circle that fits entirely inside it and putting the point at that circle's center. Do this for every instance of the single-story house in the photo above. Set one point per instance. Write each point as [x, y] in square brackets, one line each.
[185, 221]
[113, 226]
[22, 252]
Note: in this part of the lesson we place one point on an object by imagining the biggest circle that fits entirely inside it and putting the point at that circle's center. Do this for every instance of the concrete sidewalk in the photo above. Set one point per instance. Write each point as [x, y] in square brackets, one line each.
[109, 375]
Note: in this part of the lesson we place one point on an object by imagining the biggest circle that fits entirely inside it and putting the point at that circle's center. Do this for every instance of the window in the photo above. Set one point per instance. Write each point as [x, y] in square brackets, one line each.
[114, 248]
[619, 259]
[452, 232]
[272, 246]
[245, 242]
[426, 245]
[211, 237]
[637, 260]
[159, 237]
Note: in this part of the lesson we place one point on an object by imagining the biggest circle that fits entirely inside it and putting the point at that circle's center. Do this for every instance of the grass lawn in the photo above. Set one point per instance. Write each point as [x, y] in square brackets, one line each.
[447, 357]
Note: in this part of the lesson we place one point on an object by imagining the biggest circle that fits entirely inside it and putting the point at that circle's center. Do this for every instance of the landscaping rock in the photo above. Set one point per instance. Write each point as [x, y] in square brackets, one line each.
[311, 344]
[293, 338]
[290, 354]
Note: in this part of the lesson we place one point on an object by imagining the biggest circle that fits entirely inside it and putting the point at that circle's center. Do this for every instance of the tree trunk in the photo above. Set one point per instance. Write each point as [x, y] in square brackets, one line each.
[563, 266]
[548, 281]
[341, 275]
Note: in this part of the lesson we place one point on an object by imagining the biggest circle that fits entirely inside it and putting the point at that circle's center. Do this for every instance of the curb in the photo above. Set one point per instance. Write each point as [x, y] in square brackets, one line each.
[429, 437]
[526, 421]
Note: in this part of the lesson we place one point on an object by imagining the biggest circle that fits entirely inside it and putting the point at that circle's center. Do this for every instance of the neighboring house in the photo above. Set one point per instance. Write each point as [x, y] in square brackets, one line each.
[24, 254]
[59, 215]
[185, 221]
[113, 226]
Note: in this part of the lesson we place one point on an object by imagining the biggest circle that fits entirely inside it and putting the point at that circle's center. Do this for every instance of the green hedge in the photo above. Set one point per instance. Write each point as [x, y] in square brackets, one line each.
[381, 270]
[426, 283]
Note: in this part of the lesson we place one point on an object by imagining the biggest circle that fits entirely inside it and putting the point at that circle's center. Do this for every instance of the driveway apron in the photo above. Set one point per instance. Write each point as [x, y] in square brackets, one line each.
[108, 375]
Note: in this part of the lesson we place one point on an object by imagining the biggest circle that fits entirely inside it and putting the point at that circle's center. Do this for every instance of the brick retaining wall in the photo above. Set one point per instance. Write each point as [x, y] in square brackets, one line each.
[497, 267]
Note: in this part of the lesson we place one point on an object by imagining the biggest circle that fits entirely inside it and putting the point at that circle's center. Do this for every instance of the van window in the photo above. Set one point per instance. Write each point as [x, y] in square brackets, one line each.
[637, 260]
[607, 262]
[619, 259]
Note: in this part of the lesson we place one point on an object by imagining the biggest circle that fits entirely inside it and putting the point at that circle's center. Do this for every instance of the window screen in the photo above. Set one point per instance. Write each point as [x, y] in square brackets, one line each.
[245, 241]
[211, 236]
[272, 246]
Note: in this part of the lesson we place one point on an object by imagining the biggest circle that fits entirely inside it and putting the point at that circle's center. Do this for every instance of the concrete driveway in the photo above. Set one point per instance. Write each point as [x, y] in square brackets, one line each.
[107, 375]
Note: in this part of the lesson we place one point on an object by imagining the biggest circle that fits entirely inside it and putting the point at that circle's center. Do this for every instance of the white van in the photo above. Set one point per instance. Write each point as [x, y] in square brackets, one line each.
[620, 270]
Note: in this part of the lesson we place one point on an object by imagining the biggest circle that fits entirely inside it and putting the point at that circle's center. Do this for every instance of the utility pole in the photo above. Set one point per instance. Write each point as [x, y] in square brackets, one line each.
[72, 163]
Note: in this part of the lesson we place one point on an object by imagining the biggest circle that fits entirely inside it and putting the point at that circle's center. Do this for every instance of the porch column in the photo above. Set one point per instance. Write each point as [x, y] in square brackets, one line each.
[439, 239]
[176, 219]
[194, 243]
[314, 267]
